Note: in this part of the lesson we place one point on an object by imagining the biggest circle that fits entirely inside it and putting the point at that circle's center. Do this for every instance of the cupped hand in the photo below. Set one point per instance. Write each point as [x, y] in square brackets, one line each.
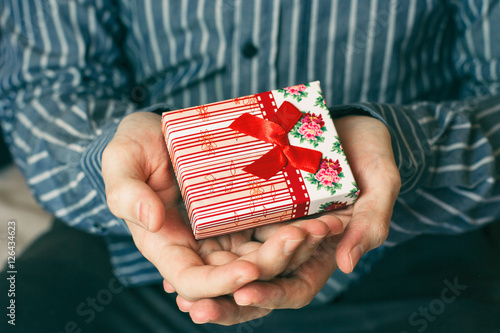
[367, 145]
[290, 290]
[141, 189]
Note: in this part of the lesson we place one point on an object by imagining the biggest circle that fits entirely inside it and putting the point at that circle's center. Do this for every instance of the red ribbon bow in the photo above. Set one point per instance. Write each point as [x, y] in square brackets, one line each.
[275, 132]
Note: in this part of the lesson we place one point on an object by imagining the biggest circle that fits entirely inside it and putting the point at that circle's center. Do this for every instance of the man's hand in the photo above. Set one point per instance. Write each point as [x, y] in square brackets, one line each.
[141, 189]
[257, 299]
[367, 144]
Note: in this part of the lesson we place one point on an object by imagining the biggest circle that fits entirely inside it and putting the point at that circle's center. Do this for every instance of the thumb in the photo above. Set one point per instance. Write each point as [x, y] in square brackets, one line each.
[127, 194]
[134, 201]
[366, 231]
[367, 144]
[369, 225]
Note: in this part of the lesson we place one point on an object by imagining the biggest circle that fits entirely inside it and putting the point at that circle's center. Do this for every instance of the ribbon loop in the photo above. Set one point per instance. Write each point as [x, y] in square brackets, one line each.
[275, 131]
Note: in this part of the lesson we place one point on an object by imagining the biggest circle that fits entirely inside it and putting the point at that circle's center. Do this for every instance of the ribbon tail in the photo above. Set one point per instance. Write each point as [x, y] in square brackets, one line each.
[303, 158]
[268, 165]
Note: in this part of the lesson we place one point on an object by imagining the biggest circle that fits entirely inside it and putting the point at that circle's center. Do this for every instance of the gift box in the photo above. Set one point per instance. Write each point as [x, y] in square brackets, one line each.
[258, 159]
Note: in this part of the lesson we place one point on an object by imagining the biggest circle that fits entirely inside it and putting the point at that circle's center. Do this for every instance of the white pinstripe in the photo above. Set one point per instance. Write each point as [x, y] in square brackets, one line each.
[77, 34]
[62, 190]
[388, 52]
[274, 45]
[76, 206]
[462, 167]
[460, 145]
[45, 136]
[222, 49]
[255, 77]
[292, 69]
[236, 42]
[350, 51]
[36, 179]
[152, 35]
[330, 65]
[172, 50]
[59, 122]
[311, 55]
[369, 51]
[203, 49]
[38, 157]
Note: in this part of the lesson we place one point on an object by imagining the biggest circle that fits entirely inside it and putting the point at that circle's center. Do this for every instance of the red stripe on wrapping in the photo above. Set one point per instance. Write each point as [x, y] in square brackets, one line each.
[267, 105]
[293, 177]
[298, 191]
[249, 211]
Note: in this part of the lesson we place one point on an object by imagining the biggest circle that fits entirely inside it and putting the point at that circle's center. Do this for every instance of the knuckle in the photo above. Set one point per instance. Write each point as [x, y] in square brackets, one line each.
[113, 199]
[394, 182]
[306, 293]
[303, 302]
[295, 231]
[290, 232]
[380, 231]
[106, 152]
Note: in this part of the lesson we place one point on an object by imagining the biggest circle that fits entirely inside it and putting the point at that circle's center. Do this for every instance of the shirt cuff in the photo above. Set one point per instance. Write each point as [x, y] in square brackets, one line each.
[409, 143]
[91, 163]
[129, 265]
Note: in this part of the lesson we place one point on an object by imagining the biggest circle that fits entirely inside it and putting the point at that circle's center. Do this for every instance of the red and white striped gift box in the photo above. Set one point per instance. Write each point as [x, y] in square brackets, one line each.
[208, 157]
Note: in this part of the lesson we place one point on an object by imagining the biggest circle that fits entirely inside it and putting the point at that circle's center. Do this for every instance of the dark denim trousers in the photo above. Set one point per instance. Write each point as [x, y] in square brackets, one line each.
[64, 283]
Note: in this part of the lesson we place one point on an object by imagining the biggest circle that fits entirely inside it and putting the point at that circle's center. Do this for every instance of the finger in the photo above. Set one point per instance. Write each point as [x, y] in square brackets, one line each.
[235, 240]
[183, 304]
[316, 232]
[168, 287]
[372, 161]
[184, 270]
[296, 291]
[283, 293]
[239, 243]
[133, 200]
[369, 225]
[275, 253]
[334, 220]
[194, 282]
[128, 195]
[219, 258]
[368, 228]
[366, 231]
[223, 311]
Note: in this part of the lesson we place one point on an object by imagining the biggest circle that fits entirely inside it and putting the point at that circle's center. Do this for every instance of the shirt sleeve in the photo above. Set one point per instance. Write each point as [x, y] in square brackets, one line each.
[62, 96]
[448, 153]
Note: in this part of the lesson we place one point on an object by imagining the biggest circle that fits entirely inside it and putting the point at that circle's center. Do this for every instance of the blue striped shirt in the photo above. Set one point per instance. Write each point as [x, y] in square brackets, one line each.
[71, 70]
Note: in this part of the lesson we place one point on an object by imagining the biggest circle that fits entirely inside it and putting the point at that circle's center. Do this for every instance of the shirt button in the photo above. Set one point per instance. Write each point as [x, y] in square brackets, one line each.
[99, 228]
[249, 50]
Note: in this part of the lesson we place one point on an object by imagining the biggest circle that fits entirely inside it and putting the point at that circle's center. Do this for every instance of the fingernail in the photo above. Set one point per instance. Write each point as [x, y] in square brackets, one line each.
[355, 254]
[143, 213]
[243, 302]
[290, 246]
[168, 287]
